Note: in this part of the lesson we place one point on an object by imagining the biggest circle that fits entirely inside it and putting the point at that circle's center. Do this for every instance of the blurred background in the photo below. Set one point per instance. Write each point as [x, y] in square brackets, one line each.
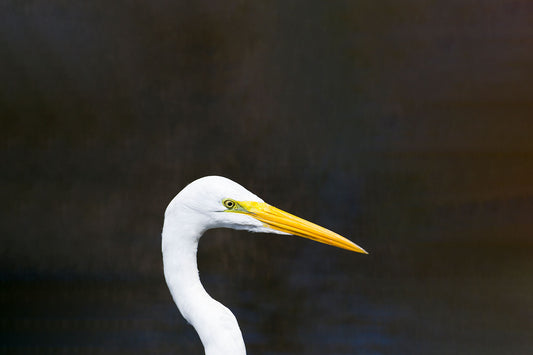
[404, 126]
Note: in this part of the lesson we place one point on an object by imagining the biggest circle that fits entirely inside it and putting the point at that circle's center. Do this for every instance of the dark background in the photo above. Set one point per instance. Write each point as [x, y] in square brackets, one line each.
[406, 126]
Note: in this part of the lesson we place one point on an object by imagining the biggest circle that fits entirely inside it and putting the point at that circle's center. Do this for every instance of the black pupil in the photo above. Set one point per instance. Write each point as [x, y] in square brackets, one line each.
[229, 204]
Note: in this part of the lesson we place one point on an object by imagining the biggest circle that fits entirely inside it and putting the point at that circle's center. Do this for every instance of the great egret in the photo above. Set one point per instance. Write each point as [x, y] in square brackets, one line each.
[217, 202]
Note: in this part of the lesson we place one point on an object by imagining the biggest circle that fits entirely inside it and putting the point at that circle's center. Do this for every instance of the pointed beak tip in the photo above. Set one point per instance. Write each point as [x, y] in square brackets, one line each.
[281, 221]
[360, 250]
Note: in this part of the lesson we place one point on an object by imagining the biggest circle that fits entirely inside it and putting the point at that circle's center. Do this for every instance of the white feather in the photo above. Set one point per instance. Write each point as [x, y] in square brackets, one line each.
[195, 209]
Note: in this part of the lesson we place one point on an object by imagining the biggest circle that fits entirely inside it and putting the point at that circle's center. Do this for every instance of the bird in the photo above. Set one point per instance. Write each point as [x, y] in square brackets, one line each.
[218, 202]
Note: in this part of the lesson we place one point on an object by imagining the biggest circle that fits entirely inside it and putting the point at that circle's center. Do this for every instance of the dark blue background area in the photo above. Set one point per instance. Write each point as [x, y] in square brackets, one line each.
[404, 126]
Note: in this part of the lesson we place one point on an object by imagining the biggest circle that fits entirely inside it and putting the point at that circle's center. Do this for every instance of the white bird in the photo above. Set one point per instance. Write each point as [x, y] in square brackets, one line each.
[217, 202]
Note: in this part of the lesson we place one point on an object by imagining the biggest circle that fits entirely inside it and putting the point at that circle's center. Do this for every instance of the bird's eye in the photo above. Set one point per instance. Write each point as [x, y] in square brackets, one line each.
[229, 203]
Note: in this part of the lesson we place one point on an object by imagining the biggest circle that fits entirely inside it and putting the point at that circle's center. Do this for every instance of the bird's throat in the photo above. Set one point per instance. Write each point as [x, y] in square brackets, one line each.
[215, 324]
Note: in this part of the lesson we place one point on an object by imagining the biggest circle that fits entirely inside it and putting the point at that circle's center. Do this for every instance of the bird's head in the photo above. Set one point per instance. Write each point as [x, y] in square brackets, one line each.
[217, 202]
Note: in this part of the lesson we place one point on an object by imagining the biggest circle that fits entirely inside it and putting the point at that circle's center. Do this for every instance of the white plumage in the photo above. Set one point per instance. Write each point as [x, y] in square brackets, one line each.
[217, 202]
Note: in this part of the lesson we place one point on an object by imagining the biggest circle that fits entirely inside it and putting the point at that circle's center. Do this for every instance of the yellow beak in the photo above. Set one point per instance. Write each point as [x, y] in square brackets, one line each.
[285, 222]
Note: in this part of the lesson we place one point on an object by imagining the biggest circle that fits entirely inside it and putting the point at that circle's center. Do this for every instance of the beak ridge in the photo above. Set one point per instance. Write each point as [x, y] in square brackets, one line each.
[285, 222]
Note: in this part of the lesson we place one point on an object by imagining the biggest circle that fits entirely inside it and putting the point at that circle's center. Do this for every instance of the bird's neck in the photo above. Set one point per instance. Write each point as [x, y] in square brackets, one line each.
[215, 324]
